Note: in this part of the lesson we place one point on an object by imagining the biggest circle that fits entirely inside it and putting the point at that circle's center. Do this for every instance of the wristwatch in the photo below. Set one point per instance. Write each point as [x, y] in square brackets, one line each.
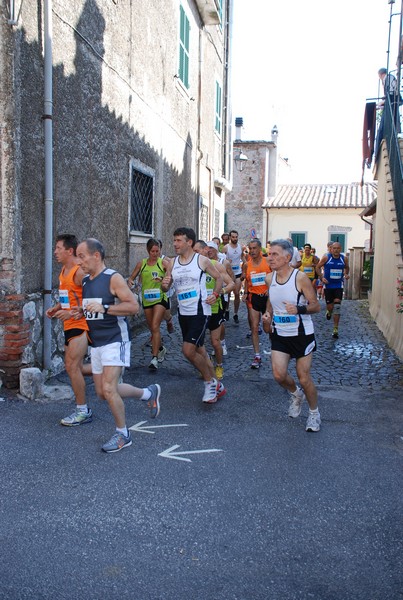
[106, 308]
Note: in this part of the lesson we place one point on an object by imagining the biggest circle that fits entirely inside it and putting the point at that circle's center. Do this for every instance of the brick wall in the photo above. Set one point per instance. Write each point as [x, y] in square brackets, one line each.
[14, 338]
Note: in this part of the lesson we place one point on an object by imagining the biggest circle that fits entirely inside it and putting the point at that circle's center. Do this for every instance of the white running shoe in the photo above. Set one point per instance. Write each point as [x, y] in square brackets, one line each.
[313, 422]
[296, 400]
[161, 354]
[210, 391]
[224, 348]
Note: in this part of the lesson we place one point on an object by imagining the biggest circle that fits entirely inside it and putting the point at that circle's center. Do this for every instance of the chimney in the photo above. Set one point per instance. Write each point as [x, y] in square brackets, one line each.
[238, 127]
[274, 134]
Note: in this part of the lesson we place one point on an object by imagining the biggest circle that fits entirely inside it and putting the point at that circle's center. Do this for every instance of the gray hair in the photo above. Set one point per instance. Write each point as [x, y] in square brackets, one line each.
[94, 245]
[285, 245]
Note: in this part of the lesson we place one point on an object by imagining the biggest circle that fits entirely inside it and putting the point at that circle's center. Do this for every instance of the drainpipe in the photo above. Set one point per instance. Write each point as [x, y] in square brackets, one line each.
[48, 130]
[198, 149]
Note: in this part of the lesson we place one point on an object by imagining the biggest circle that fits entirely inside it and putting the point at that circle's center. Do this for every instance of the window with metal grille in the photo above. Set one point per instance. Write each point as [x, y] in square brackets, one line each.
[203, 222]
[184, 35]
[141, 201]
[216, 222]
[218, 107]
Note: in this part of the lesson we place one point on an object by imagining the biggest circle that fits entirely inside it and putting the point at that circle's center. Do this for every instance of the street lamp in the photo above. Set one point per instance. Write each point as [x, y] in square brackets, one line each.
[240, 159]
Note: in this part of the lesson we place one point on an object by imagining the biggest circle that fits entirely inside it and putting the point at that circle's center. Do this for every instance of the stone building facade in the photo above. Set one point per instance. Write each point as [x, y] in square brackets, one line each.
[141, 140]
[254, 181]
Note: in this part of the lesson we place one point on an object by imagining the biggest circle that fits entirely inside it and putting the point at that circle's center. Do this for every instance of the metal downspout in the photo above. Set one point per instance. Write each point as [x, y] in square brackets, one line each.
[48, 130]
[199, 151]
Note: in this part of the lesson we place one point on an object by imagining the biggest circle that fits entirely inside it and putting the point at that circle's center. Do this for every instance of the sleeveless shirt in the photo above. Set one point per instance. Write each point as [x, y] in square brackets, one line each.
[308, 266]
[103, 329]
[151, 289]
[285, 324]
[71, 294]
[234, 255]
[256, 276]
[190, 284]
[210, 285]
[333, 271]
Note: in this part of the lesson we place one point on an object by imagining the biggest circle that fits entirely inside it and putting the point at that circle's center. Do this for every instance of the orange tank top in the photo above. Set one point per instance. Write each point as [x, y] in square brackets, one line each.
[256, 276]
[71, 294]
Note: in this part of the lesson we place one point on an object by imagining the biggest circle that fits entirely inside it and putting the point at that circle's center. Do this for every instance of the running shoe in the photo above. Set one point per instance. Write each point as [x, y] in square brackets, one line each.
[117, 442]
[219, 371]
[161, 354]
[249, 334]
[221, 391]
[335, 333]
[224, 349]
[313, 422]
[210, 391]
[260, 330]
[236, 319]
[256, 363]
[78, 417]
[154, 401]
[296, 400]
[170, 326]
[153, 364]
[328, 315]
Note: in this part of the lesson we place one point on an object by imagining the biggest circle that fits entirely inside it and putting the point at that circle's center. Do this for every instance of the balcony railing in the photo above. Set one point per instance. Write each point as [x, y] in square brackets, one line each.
[391, 130]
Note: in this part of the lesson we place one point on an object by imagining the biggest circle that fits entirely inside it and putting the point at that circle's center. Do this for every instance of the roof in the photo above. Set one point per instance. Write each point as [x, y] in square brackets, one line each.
[322, 195]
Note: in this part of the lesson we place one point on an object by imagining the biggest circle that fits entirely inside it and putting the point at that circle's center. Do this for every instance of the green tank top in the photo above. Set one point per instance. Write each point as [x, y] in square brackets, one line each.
[151, 287]
[210, 285]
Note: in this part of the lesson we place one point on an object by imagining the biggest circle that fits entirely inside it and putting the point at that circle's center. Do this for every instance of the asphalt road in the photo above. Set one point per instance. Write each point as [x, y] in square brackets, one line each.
[251, 508]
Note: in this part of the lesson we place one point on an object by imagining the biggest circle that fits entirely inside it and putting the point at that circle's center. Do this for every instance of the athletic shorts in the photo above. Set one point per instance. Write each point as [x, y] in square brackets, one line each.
[116, 354]
[257, 302]
[71, 334]
[224, 302]
[193, 328]
[333, 294]
[163, 303]
[215, 320]
[238, 276]
[295, 346]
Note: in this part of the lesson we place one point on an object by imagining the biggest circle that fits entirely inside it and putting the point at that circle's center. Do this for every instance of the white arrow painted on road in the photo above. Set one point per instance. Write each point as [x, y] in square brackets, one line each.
[138, 427]
[169, 453]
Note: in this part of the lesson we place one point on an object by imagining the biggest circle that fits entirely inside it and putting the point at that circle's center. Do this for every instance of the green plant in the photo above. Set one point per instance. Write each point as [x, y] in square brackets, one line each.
[366, 270]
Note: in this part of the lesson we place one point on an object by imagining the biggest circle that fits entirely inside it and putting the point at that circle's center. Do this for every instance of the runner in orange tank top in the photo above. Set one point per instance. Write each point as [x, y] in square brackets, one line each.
[75, 330]
[255, 293]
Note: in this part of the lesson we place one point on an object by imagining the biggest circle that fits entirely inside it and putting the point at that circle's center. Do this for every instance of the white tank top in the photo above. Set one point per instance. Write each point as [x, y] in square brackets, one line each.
[190, 285]
[284, 324]
[234, 256]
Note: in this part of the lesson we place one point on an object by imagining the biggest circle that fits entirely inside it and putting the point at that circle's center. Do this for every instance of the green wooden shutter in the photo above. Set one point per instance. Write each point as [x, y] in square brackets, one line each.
[184, 36]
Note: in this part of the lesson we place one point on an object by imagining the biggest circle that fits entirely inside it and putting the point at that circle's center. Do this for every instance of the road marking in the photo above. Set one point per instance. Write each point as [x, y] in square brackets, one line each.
[138, 427]
[242, 347]
[169, 453]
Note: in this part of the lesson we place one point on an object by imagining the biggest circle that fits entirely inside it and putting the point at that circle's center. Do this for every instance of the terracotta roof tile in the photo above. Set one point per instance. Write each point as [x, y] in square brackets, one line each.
[321, 195]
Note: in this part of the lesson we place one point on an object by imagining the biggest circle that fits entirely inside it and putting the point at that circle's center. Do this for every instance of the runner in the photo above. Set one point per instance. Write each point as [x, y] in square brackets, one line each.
[233, 251]
[188, 273]
[151, 272]
[290, 304]
[309, 262]
[335, 270]
[255, 293]
[216, 321]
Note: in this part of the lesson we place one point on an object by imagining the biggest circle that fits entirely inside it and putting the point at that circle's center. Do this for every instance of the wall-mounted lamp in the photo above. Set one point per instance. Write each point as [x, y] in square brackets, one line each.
[240, 159]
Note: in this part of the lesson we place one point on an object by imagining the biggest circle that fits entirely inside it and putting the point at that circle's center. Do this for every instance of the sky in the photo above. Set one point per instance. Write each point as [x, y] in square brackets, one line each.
[308, 67]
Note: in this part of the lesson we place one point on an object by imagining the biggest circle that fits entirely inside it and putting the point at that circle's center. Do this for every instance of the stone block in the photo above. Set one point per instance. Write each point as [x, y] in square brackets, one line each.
[31, 383]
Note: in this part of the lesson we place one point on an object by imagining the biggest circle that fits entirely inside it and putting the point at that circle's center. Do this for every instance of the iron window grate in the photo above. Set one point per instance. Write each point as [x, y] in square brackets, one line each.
[141, 209]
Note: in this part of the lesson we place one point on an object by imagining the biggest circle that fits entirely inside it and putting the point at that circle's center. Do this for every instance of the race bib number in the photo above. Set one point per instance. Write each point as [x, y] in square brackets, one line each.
[336, 273]
[64, 299]
[285, 320]
[152, 294]
[187, 296]
[308, 270]
[258, 278]
[92, 316]
[236, 269]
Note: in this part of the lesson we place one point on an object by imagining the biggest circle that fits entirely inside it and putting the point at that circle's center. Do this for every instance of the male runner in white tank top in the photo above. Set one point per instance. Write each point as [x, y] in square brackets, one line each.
[291, 301]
